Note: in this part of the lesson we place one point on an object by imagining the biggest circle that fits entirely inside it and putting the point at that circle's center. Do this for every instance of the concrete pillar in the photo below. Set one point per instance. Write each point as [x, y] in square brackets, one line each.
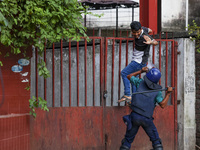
[186, 95]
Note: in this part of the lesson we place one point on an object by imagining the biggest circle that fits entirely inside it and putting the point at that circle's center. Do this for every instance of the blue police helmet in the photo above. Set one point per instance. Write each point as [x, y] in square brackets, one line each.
[153, 75]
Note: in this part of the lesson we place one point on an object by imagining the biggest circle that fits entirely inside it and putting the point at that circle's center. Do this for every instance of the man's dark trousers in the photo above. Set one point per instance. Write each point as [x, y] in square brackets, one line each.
[148, 126]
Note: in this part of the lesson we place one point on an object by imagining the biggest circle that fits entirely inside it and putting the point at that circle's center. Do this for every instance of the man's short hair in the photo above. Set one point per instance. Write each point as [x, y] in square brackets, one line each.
[135, 25]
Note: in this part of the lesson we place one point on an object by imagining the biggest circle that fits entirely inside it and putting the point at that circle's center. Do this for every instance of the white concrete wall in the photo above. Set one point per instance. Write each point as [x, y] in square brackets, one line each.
[186, 93]
[174, 15]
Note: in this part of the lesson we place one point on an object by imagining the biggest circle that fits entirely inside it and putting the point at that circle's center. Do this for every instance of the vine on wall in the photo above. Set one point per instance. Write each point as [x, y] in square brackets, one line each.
[194, 31]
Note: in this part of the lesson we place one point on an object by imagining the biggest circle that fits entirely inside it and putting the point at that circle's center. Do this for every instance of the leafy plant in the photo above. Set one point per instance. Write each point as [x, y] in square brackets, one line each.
[35, 103]
[34, 22]
[43, 71]
[194, 31]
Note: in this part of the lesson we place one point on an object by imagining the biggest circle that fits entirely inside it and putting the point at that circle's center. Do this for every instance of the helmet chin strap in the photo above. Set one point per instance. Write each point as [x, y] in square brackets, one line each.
[2, 86]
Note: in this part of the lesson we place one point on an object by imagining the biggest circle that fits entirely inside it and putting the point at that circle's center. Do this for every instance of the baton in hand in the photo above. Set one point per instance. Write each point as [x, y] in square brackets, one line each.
[149, 91]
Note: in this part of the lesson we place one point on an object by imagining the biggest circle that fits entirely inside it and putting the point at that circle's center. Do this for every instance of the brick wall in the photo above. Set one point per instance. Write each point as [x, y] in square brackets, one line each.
[197, 60]
[14, 117]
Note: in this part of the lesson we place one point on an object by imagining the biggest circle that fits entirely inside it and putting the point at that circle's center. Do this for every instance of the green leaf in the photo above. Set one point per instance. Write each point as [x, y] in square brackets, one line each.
[27, 88]
[195, 31]
[34, 115]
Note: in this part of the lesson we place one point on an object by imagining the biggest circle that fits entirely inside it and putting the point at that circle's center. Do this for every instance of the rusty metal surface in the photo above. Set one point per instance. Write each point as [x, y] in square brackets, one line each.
[102, 127]
[71, 128]
[82, 128]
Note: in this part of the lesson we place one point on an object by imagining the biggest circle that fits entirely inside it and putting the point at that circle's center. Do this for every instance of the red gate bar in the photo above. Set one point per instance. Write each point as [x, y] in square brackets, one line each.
[166, 69]
[45, 80]
[112, 80]
[153, 56]
[119, 83]
[36, 71]
[103, 86]
[113, 54]
[160, 56]
[77, 73]
[105, 64]
[53, 84]
[160, 59]
[175, 98]
[172, 63]
[127, 52]
[101, 72]
[93, 63]
[61, 72]
[101, 68]
[172, 60]
[85, 72]
[172, 73]
[126, 56]
[69, 72]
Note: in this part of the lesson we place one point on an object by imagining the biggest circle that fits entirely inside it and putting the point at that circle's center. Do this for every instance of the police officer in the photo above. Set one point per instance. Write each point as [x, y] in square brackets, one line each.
[142, 106]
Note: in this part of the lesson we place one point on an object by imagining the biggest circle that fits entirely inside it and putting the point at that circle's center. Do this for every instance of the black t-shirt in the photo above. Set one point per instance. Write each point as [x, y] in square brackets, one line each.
[141, 46]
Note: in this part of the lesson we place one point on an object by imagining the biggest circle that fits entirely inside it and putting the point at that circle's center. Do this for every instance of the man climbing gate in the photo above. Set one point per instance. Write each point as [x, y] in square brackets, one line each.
[140, 55]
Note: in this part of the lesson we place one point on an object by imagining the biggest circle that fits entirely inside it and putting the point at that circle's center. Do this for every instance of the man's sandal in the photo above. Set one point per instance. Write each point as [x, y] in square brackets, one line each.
[124, 98]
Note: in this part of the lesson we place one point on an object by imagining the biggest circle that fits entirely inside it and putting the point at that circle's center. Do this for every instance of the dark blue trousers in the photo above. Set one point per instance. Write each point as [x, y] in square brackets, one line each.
[148, 126]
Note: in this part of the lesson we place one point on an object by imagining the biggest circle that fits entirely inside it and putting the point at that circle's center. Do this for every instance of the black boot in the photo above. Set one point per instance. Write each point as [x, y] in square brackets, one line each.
[158, 147]
[123, 147]
[123, 140]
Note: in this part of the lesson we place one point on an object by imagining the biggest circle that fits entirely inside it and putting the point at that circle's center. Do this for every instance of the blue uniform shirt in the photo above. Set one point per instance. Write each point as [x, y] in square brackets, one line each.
[136, 81]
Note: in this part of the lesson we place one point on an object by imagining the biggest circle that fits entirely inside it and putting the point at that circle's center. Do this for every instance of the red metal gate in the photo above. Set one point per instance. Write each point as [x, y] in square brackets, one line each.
[82, 94]
[165, 120]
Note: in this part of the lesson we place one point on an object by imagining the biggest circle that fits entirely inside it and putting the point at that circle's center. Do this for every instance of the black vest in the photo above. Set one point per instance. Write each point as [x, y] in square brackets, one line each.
[141, 46]
[144, 104]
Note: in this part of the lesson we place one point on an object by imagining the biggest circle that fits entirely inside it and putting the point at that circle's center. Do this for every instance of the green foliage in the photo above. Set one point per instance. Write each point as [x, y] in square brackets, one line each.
[27, 87]
[43, 71]
[25, 22]
[35, 103]
[34, 22]
[194, 30]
